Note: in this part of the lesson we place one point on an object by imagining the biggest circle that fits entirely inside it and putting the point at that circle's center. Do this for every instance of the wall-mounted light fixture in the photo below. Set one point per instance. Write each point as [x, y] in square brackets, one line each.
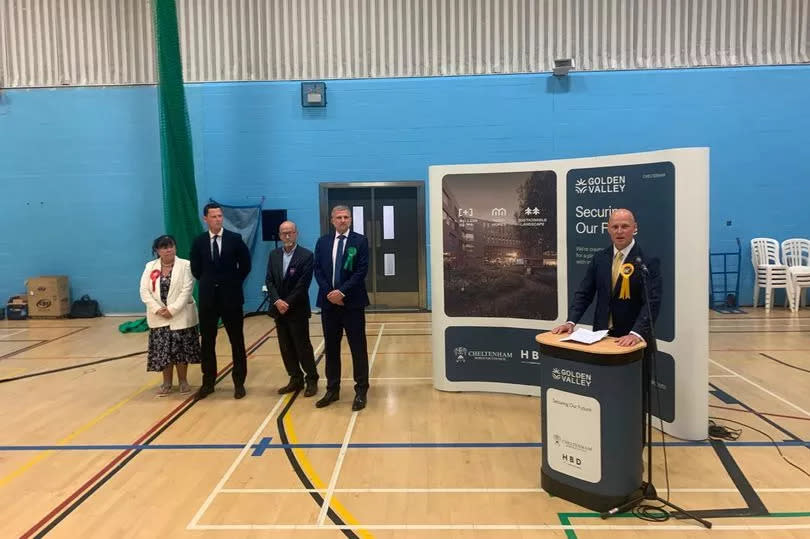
[563, 66]
[313, 94]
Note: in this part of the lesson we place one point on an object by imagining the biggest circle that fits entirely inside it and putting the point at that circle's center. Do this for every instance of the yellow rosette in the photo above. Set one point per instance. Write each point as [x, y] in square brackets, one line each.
[625, 273]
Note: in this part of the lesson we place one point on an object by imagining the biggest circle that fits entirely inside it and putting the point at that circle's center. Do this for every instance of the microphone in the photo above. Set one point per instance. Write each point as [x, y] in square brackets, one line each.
[640, 263]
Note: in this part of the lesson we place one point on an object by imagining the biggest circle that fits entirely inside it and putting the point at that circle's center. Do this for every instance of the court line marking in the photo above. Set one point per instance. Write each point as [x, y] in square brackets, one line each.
[760, 321]
[722, 376]
[327, 499]
[392, 378]
[330, 489]
[374, 445]
[312, 476]
[473, 490]
[69, 367]
[426, 355]
[757, 350]
[245, 450]
[750, 331]
[9, 332]
[763, 389]
[398, 323]
[43, 342]
[81, 430]
[59, 513]
[506, 527]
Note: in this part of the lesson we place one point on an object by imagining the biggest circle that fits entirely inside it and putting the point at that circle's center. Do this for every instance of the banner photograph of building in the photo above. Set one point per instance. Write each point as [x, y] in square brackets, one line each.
[500, 245]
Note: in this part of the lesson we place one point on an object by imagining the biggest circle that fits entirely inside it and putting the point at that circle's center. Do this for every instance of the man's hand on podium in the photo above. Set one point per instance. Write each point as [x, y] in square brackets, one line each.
[628, 340]
[568, 327]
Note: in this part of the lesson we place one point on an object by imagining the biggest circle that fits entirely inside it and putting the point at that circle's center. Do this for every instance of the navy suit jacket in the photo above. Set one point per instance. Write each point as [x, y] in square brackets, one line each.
[353, 282]
[293, 286]
[628, 314]
[229, 274]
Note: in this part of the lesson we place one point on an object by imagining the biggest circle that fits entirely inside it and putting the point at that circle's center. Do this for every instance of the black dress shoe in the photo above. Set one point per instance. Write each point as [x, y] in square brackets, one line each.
[290, 388]
[312, 388]
[204, 391]
[330, 397]
[359, 402]
[239, 392]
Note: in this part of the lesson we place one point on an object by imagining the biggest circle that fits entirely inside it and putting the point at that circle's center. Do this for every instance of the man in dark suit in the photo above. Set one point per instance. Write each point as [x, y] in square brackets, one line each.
[220, 261]
[624, 317]
[341, 265]
[289, 274]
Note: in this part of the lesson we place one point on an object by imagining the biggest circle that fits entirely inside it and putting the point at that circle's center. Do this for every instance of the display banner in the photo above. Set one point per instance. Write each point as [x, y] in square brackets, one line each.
[511, 242]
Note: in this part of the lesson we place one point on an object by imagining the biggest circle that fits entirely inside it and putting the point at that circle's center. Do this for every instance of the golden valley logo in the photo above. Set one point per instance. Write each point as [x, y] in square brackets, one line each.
[601, 184]
[576, 378]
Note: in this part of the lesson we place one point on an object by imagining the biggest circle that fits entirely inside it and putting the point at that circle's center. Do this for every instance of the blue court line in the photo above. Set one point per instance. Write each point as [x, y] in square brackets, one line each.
[265, 445]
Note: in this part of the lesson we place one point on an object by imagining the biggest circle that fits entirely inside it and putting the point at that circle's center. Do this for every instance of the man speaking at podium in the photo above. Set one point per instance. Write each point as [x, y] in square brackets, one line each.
[615, 277]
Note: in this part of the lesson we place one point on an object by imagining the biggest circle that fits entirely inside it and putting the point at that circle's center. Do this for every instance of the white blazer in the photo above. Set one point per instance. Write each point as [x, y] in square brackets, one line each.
[179, 301]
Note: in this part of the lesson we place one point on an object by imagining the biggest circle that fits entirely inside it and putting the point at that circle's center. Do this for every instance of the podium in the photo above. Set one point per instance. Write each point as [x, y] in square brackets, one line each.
[591, 420]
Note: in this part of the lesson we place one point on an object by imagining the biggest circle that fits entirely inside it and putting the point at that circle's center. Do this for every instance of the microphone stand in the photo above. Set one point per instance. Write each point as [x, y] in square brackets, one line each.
[647, 490]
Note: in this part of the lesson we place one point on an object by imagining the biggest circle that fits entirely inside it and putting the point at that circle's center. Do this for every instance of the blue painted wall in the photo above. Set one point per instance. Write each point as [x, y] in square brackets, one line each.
[80, 167]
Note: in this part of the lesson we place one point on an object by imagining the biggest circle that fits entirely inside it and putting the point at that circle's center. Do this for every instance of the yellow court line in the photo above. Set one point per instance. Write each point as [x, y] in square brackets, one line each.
[73, 435]
[316, 481]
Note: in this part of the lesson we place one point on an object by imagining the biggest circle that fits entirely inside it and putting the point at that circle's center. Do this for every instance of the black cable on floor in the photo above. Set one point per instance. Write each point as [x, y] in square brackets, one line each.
[725, 430]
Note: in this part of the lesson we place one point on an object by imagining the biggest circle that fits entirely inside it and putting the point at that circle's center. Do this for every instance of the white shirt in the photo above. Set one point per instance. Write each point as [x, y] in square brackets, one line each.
[286, 259]
[334, 250]
[624, 251]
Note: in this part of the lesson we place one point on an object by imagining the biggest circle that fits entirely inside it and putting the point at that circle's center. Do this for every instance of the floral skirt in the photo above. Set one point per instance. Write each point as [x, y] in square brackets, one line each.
[172, 347]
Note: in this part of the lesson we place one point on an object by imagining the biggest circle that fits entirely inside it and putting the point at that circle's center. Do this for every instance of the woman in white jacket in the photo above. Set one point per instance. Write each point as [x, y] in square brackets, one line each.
[174, 340]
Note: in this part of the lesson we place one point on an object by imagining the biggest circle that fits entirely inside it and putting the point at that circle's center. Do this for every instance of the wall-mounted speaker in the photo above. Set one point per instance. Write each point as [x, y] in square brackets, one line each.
[271, 220]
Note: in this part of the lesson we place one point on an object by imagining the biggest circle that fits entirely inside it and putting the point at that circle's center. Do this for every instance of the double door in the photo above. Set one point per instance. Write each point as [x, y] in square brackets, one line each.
[392, 216]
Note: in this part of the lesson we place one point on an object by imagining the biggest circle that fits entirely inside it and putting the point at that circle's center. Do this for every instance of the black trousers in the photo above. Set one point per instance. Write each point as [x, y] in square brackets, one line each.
[211, 310]
[335, 320]
[296, 349]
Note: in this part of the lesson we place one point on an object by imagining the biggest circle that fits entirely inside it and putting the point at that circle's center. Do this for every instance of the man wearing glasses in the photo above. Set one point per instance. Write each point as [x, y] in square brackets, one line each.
[289, 274]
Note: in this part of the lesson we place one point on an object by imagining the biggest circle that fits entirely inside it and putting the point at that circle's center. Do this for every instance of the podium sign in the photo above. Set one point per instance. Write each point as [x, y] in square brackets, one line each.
[574, 430]
[591, 420]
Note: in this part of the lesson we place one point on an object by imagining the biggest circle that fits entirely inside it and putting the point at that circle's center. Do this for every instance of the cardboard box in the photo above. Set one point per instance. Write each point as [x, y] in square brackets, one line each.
[48, 295]
[17, 308]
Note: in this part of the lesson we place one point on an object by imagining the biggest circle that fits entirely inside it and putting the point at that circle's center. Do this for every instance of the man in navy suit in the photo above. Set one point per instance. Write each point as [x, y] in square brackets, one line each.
[624, 317]
[220, 261]
[341, 265]
[289, 274]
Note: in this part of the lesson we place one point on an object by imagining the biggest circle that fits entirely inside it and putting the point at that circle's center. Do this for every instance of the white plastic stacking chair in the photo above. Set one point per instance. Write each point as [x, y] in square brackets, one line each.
[769, 272]
[796, 256]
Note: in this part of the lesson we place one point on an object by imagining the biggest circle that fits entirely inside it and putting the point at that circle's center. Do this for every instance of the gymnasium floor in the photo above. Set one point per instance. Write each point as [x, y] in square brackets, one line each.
[88, 450]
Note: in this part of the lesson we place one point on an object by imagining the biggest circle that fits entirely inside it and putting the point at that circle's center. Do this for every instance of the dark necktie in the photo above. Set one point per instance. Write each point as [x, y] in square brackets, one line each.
[215, 250]
[339, 261]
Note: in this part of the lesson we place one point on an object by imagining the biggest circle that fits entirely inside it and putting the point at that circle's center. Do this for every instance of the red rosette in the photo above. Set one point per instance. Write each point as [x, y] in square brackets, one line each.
[155, 275]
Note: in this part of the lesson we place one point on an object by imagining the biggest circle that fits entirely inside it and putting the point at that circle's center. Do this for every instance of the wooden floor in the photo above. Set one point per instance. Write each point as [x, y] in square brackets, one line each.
[89, 450]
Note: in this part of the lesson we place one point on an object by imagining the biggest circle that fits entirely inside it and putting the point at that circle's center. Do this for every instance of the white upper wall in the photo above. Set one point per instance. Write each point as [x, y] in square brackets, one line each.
[101, 42]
